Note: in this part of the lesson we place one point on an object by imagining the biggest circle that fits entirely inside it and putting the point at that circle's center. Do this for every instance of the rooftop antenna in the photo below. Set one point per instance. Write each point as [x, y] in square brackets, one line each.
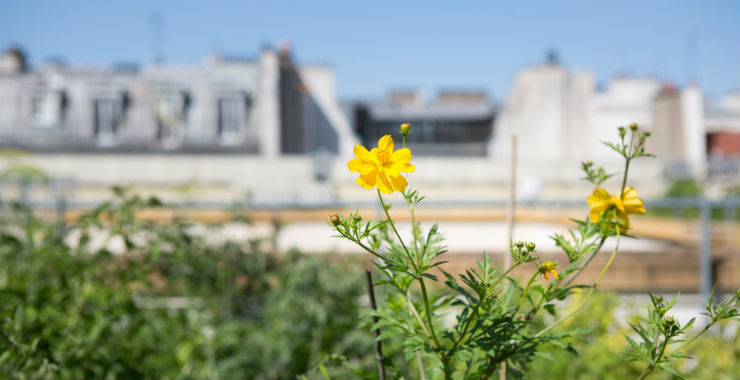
[157, 38]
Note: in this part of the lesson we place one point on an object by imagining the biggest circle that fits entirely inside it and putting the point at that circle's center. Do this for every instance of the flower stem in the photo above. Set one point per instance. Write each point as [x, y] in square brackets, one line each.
[427, 311]
[585, 298]
[476, 307]
[415, 232]
[524, 294]
[393, 225]
[598, 248]
[657, 359]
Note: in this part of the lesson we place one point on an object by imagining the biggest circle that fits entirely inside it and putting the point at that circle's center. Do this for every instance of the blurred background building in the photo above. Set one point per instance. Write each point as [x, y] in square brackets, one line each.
[228, 126]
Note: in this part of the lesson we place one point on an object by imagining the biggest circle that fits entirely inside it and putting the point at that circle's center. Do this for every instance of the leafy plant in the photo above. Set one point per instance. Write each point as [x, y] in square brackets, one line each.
[496, 326]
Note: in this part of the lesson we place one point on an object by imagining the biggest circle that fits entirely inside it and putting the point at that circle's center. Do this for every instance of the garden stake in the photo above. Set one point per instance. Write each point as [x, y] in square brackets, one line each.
[378, 343]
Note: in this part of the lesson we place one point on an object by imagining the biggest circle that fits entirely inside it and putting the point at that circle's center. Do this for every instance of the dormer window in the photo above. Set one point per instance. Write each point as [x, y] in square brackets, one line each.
[169, 112]
[233, 114]
[108, 118]
[46, 109]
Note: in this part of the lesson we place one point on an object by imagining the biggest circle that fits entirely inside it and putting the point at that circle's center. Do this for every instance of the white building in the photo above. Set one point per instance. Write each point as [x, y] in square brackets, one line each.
[560, 116]
[230, 123]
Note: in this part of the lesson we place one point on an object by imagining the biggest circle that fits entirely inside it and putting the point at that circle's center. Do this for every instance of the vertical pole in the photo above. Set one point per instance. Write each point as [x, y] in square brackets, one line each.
[705, 250]
[61, 206]
[378, 344]
[510, 219]
[511, 200]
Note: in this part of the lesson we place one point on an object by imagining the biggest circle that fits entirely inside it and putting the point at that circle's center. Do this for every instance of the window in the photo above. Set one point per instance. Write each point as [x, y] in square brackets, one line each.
[107, 119]
[169, 113]
[232, 116]
[46, 109]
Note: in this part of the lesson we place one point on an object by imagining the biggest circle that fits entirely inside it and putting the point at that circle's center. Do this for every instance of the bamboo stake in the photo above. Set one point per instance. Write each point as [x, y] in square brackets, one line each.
[510, 219]
[378, 344]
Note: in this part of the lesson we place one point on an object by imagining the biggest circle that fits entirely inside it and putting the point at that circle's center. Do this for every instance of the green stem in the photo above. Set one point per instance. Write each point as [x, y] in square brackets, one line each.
[393, 225]
[503, 276]
[570, 279]
[590, 291]
[476, 307]
[363, 246]
[524, 294]
[657, 359]
[415, 232]
[467, 324]
[598, 248]
[414, 312]
[447, 368]
[427, 311]
[710, 324]
[650, 369]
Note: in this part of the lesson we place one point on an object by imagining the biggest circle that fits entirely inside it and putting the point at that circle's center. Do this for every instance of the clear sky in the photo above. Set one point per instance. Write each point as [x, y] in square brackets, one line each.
[379, 45]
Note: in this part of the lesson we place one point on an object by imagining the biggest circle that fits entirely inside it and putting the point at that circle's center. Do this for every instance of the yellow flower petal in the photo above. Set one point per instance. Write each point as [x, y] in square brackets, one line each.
[399, 183]
[384, 184]
[599, 195]
[401, 156]
[618, 203]
[368, 180]
[386, 143]
[362, 153]
[360, 165]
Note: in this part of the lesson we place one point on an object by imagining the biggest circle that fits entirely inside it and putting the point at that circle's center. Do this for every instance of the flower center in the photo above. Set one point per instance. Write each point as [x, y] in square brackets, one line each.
[383, 156]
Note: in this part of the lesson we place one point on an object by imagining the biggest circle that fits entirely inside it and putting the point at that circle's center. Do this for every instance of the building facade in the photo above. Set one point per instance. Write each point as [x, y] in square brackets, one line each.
[456, 123]
[259, 106]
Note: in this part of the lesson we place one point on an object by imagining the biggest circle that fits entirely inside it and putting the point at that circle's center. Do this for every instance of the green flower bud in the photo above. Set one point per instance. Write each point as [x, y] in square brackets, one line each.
[531, 246]
[519, 244]
[334, 219]
[633, 127]
[357, 217]
[405, 129]
[670, 321]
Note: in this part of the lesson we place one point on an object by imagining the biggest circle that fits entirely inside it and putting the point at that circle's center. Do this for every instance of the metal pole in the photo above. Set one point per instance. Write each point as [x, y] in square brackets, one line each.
[705, 250]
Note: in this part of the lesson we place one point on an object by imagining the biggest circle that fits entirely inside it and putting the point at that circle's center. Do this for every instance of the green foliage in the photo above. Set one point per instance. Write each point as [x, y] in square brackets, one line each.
[656, 333]
[603, 348]
[173, 305]
[489, 334]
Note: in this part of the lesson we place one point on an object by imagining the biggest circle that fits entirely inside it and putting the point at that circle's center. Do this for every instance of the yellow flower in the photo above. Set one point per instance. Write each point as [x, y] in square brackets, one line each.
[601, 201]
[549, 268]
[382, 166]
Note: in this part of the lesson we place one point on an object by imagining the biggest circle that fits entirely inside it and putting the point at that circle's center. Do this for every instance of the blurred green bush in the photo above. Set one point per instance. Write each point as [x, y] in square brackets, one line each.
[172, 306]
[177, 305]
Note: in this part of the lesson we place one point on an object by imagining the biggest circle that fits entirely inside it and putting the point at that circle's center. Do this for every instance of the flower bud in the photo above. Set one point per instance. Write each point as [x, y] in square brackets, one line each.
[334, 219]
[670, 321]
[357, 217]
[519, 244]
[405, 129]
[531, 246]
[633, 127]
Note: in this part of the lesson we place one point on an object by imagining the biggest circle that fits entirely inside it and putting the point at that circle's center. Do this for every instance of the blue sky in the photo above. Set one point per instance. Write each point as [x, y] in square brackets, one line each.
[375, 46]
